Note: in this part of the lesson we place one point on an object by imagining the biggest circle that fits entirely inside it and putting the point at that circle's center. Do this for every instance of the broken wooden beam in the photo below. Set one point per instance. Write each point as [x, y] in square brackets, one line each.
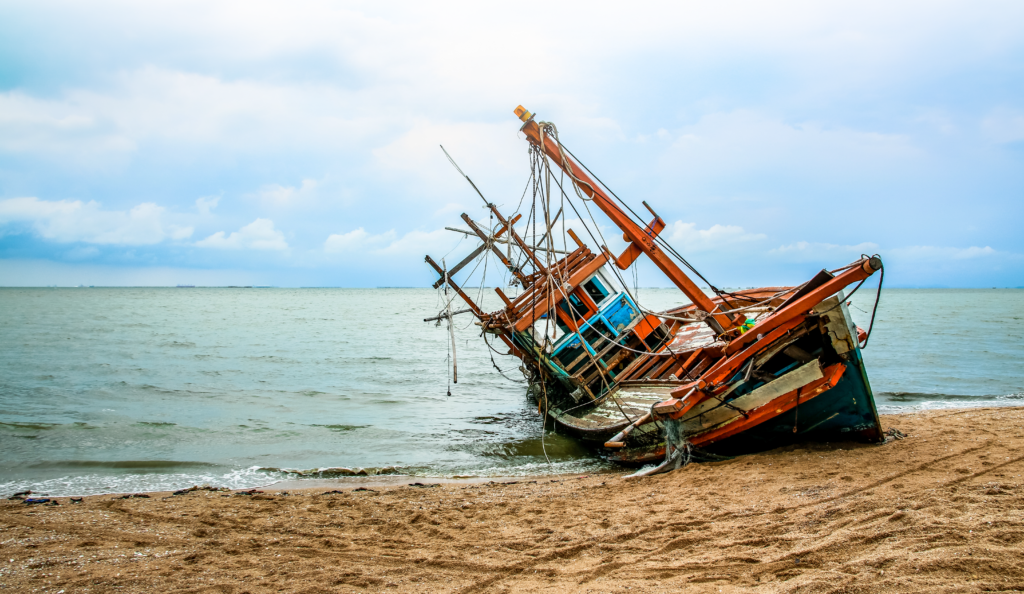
[461, 264]
[443, 316]
[619, 441]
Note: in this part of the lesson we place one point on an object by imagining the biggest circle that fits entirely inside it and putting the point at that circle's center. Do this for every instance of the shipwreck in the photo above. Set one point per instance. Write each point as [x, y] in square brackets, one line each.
[731, 372]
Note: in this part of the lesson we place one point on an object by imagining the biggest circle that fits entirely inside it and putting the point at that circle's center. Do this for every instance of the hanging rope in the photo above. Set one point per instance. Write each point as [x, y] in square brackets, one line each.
[658, 238]
[448, 307]
[878, 297]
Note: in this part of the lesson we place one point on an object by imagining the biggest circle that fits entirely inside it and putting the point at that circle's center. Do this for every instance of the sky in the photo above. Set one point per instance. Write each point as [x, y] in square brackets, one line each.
[297, 144]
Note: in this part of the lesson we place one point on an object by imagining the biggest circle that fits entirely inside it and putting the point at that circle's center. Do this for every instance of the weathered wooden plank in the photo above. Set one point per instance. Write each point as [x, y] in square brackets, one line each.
[663, 367]
[574, 281]
[712, 412]
[472, 256]
[773, 408]
[487, 242]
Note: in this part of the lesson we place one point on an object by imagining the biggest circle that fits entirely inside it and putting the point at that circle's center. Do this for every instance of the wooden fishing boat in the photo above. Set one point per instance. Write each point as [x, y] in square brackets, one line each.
[729, 373]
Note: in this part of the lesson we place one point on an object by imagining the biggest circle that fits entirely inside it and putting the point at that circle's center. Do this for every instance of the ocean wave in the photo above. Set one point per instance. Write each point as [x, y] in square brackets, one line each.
[336, 471]
[902, 402]
[577, 466]
[29, 426]
[100, 484]
[121, 464]
[341, 427]
[538, 468]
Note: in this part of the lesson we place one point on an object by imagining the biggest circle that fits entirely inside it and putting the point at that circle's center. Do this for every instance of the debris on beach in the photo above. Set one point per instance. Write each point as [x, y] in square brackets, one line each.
[335, 471]
[729, 373]
[39, 501]
[194, 488]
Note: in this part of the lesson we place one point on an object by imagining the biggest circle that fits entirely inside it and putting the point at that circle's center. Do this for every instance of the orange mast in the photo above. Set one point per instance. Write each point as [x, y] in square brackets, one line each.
[641, 238]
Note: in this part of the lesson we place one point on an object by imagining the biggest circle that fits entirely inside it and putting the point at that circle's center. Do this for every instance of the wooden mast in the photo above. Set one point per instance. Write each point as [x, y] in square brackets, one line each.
[641, 238]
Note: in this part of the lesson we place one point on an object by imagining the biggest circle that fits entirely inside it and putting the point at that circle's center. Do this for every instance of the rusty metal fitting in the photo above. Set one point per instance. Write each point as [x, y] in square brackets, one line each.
[872, 265]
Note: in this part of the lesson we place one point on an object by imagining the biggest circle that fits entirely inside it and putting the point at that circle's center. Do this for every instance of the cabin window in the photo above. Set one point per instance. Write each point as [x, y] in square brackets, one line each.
[596, 289]
[579, 308]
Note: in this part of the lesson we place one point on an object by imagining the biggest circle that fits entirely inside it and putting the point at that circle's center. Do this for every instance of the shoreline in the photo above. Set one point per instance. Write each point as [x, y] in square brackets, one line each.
[940, 510]
[398, 480]
[316, 486]
[382, 481]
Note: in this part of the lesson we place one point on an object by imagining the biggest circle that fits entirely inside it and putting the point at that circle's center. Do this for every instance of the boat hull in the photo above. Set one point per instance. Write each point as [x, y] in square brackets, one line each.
[845, 412]
[736, 372]
[801, 405]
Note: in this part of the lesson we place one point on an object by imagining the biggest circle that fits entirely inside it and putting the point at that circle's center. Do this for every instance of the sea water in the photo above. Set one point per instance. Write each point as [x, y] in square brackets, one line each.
[131, 389]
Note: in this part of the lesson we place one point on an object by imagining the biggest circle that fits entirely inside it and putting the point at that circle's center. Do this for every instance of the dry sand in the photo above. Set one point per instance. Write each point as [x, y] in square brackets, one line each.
[939, 511]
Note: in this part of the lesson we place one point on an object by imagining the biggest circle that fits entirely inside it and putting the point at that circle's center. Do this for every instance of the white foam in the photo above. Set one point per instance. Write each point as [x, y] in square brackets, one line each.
[1007, 400]
[99, 484]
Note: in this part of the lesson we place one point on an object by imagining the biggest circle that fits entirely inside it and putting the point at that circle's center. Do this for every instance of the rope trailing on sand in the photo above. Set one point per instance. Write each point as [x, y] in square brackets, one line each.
[678, 451]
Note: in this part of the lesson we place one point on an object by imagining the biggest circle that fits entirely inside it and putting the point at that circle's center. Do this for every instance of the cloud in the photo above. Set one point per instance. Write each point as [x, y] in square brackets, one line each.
[410, 245]
[929, 265]
[1004, 125]
[817, 248]
[828, 255]
[257, 235]
[938, 120]
[915, 253]
[67, 221]
[58, 128]
[346, 242]
[794, 116]
[450, 209]
[930, 252]
[82, 253]
[683, 236]
[746, 140]
[142, 106]
[418, 243]
[687, 237]
[495, 160]
[206, 204]
[917, 265]
[41, 273]
[278, 195]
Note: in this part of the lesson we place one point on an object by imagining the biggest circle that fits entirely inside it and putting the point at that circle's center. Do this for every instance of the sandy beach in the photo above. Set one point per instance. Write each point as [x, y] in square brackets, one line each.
[939, 511]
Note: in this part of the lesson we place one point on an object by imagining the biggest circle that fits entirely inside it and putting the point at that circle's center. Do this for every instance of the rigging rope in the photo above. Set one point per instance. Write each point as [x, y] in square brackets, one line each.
[878, 297]
[639, 220]
[678, 449]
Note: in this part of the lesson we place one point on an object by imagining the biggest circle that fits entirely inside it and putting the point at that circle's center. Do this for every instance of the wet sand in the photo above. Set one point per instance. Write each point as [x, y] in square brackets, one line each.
[939, 511]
